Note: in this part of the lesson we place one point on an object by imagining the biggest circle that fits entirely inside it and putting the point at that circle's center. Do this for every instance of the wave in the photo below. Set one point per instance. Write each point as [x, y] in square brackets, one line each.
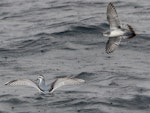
[14, 101]
[85, 29]
[137, 102]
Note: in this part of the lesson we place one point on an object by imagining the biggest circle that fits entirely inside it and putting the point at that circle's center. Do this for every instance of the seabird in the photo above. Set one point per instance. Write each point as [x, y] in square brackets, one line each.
[42, 87]
[117, 31]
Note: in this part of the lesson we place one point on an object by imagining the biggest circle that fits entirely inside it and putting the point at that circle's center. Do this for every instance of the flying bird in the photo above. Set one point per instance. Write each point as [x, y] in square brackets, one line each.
[42, 87]
[117, 31]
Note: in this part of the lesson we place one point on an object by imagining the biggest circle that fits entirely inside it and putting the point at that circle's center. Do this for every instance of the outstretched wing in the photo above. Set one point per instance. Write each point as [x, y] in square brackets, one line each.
[112, 44]
[23, 82]
[64, 81]
[112, 16]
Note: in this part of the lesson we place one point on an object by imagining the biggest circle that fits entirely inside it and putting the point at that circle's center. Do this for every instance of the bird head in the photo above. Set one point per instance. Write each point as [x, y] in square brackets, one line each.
[40, 77]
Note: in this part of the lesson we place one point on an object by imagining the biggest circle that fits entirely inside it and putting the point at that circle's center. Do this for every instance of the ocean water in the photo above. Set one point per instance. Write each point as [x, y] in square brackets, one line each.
[59, 38]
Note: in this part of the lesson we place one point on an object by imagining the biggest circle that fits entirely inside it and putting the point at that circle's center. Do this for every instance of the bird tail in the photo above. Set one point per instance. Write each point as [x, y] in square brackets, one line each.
[133, 34]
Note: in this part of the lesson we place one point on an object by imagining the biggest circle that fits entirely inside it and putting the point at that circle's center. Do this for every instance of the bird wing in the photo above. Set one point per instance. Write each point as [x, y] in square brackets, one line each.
[112, 16]
[23, 82]
[112, 44]
[64, 81]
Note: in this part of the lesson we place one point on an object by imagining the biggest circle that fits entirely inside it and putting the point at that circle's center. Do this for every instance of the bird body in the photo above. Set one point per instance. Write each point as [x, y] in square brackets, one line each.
[42, 87]
[117, 31]
[114, 33]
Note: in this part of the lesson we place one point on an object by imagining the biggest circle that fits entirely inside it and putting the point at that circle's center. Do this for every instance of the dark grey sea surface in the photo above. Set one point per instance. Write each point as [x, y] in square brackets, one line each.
[59, 38]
